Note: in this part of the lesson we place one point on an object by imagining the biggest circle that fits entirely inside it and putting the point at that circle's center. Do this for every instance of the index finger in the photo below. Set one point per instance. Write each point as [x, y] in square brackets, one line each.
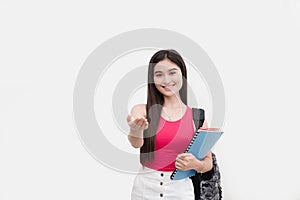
[183, 155]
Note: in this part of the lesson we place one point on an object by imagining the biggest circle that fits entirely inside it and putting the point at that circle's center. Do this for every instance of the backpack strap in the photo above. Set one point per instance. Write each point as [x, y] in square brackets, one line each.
[198, 117]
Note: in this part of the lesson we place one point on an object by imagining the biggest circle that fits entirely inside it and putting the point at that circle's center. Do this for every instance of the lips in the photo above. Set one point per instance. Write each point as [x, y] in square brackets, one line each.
[168, 86]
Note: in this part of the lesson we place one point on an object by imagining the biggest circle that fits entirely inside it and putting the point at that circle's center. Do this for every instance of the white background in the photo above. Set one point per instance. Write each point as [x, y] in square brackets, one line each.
[254, 45]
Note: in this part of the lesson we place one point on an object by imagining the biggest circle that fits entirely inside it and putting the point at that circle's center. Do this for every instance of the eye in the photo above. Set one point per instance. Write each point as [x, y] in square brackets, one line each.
[158, 75]
[173, 73]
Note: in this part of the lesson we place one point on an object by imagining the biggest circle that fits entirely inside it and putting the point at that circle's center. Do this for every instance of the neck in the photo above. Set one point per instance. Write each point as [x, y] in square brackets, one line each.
[173, 101]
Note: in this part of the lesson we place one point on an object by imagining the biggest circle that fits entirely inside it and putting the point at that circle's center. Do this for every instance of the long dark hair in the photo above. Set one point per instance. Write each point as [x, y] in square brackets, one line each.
[155, 100]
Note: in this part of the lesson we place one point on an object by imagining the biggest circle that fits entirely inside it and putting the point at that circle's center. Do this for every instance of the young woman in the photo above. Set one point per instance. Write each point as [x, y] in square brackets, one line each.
[162, 129]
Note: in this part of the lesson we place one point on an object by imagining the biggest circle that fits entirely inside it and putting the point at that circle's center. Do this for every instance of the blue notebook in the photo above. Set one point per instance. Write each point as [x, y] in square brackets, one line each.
[200, 145]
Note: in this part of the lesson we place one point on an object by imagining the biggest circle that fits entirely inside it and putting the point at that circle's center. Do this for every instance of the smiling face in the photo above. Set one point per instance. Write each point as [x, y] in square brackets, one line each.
[167, 77]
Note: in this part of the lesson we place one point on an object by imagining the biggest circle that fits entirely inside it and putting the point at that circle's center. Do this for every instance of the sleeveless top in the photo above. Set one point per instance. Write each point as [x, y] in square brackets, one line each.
[172, 138]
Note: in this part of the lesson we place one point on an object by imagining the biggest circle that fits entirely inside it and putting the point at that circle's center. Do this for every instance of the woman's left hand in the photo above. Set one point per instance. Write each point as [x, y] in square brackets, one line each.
[186, 161]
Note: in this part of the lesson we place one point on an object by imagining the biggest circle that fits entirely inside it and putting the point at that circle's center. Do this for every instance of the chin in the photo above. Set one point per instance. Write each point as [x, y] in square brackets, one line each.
[168, 94]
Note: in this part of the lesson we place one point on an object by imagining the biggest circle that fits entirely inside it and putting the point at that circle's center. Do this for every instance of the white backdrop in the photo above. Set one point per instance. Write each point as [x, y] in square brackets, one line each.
[255, 46]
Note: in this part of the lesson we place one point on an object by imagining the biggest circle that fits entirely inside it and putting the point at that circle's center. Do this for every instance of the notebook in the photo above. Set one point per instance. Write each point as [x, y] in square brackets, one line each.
[200, 145]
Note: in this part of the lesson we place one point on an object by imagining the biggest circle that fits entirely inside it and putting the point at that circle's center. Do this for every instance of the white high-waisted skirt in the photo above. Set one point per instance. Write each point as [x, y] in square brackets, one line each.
[151, 184]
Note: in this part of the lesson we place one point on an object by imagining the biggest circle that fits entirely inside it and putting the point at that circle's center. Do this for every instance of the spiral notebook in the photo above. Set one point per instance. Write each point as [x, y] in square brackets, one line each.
[200, 145]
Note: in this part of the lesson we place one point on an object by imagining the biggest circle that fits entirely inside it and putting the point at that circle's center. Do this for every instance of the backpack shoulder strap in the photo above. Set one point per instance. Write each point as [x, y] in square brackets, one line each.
[198, 117]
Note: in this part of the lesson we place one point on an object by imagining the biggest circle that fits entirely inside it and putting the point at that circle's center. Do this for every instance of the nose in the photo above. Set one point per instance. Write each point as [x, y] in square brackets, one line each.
[167, 80]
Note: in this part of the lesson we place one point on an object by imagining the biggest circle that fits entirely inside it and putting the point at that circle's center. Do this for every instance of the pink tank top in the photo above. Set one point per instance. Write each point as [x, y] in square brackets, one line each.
[172, 138]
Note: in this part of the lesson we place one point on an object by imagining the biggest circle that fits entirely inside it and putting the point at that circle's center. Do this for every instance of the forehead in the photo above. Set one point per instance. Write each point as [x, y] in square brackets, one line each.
[165, 65]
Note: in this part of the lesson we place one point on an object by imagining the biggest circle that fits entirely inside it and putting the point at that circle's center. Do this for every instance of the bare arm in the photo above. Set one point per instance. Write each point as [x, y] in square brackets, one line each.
[138, 123]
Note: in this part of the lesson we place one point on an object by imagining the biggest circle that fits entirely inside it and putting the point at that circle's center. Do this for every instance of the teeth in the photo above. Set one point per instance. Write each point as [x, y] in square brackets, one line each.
[167, 86]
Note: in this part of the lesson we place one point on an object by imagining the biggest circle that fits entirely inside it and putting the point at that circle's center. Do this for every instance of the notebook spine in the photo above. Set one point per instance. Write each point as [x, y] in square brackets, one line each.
[173, 174]
[191, 143]
[187, 150]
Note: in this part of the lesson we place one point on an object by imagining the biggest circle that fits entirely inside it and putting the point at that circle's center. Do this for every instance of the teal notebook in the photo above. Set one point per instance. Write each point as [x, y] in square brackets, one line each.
[200, 145]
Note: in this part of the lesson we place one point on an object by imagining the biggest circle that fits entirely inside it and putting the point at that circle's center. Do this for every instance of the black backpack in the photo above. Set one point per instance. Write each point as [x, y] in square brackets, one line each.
[207, 186]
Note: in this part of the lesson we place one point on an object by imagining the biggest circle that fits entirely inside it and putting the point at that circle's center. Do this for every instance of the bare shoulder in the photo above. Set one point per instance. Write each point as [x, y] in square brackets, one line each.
[138, 110]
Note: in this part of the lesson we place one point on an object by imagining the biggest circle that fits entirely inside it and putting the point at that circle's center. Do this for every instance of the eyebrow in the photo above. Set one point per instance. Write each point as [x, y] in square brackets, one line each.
[168, 70]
